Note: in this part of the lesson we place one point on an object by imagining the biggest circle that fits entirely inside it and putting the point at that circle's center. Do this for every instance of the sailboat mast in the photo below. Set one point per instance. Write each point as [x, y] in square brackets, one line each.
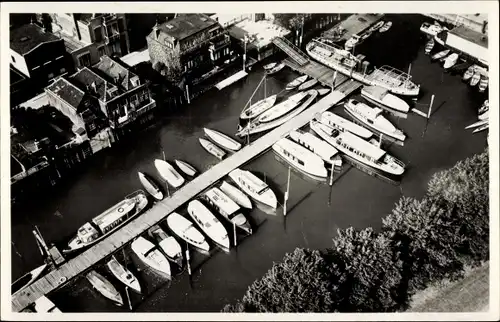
[255, 91]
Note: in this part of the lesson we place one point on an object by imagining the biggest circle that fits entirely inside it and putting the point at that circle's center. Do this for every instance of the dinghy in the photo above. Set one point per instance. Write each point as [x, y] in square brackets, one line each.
[212, 148]
[481, 128]
[429, 46]
[483, 84]
[440, 54]
[385, 27]
[323, 91]
[475, 79]
[150, 186]
[101, 284]
[275, 69]
[450, 61]
[468, 73]
[168, 173]
[222, 139]
[258, 108]
[269, 66]
[476, 124]
[123, 274]
[296, 82]
[310, 83]
[236, 195]
[185, 167]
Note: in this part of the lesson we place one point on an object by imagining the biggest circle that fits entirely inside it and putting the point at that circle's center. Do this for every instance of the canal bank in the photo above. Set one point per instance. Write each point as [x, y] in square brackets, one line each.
[314, 213]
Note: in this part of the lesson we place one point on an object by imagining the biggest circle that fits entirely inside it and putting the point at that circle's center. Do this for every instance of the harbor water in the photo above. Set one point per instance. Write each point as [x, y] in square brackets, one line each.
[314, 211]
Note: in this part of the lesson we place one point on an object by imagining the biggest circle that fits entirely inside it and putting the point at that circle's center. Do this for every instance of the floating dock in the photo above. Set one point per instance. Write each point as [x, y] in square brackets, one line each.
[231, 79]
[119, 239]
[357, 23]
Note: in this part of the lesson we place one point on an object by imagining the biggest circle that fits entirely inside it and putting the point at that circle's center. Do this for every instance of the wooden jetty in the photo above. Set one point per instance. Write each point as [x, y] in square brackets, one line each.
[83, 262]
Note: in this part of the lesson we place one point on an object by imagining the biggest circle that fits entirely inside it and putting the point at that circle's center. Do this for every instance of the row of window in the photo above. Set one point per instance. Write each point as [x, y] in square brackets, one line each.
[111, 29]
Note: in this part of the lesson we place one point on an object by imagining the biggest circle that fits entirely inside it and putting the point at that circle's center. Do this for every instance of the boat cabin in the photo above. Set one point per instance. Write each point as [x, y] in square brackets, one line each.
[221, 203]
[114, 216]
[360, 147]
[87, 233]
[256, 186]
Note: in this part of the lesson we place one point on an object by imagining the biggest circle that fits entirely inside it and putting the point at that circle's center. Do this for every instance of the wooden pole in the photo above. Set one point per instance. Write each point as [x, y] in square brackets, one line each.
[380, 140]
[287, 192]
[430, 106]
[168, 190]
[187, 259]
[128, 298]
[331, 176]
[234, 234]
[187, 94]
[163, 151]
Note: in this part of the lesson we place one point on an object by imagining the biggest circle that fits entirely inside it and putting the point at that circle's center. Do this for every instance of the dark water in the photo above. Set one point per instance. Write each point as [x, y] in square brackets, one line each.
[315, 210]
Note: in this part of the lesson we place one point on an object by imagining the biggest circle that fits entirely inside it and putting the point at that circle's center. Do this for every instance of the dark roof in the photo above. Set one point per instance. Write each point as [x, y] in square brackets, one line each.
[27, 37]
[87, 17]
[116, 71]
[67, 92]
[86, 77]
[186, 25]
[470, 35]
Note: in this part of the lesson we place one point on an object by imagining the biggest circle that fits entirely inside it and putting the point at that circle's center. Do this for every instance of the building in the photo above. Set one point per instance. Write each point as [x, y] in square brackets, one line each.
[477, 22]
[38, 55]
[88, 37]
[469, 42]
[107, 91]
[193, 43]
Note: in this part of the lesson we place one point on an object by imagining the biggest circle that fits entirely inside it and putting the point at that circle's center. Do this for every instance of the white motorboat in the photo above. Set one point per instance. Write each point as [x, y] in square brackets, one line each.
[208, 223]
[254, 187]
[257, 127]
[44, 305]
[150, 186]
[168, 173]
[282, 108]
[484, 116]
[440, 54]
[345, 62]
[376, 26]
[123, 274]
[324, 150]
[341, 124]
[275, 69]
[359, 150]
[185, 229]
[476, 124]
[150, 255]
[323, 91]
[483, 84]
[167, 243]
[306, 85]
[27, 279]
[236, 195]
[212, 148]
[481, 128]
[186, 167]
[381, 96]
[475, 79]
[450, 61]
[227, 208]
[469, 73]
[259, 107]
[484, 107]
[431, 30]
[101, 284]
[222, 139]
[429, 46]
[385, 27]
[108, 222]
[300, 157]
[296, 82]
[269, 66]
[373, 118]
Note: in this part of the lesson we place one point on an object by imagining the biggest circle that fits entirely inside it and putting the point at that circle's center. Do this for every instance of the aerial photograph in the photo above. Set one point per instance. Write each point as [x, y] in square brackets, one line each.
[249, 162]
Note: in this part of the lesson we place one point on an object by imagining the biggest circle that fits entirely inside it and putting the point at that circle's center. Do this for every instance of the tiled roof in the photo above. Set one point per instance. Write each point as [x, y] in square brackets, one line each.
[27, 37]
[116, 71]
[186, 25]
[67, 92]
[86, 77]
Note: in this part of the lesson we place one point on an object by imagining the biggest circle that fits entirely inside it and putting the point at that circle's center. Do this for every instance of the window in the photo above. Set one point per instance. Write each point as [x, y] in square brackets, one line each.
[91, 126]
[84, 59]
[98, 34]
[101, 51]
[13, 59]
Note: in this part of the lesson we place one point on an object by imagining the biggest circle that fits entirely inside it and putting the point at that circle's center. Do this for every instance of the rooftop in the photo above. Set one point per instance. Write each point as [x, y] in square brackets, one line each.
[471, 35]
[67, 92]
[88, 78]
[71, 43]
[186, 25]
[259, 33]
[27, 37]
[117, 72]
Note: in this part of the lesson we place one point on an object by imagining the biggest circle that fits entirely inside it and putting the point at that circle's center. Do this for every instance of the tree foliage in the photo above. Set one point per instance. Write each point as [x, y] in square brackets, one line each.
[289, 21]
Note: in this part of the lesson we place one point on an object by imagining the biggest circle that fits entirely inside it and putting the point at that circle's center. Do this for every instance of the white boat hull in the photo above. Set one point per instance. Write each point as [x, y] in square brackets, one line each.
[222, 139]
[258, 108]
[185, 229]
[335, 121]
[150, 187]
[300, 158]
[244, 181]
[123, 275]
[152, 257]
[168, 173]
[215, 230]
[388, 100]
[236, 195]
[212, 149]
[186, 168]
[104, 287]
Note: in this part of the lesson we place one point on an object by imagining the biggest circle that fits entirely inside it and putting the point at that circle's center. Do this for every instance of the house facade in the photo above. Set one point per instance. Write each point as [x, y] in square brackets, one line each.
[196, 41]
[89, 37]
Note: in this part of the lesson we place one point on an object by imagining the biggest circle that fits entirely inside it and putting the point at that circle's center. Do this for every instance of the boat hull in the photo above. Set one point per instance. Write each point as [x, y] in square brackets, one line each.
[216, 231]
[335, 121]
[186, 168]
[212, 149]
[292, 153]
[185, 230]
[258, 108]
[236, 195]
[122, 274]
[150, 256]
[168, 173]
[222, 139]
[104, 287]
[150, 186]
[267, 197]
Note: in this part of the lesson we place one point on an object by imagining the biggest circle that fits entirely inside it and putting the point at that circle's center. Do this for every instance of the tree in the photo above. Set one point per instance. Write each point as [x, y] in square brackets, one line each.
[288, 21]
[173, 67]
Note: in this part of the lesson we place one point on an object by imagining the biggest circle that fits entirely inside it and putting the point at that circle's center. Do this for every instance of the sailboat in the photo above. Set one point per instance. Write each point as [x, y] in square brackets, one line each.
[123, 274]
[258, 107]
[282, 108]
[150, 186]
[296, 82]
[101, 284]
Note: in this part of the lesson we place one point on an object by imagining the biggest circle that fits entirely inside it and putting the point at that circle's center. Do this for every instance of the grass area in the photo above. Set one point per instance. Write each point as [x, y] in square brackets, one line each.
[470, 294]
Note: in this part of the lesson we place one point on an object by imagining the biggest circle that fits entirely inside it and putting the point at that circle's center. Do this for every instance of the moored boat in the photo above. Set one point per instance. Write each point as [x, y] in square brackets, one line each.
[150, 186]
[150, 255]
[236, 194]
[185, 229]
[483, 84]
[167, 243]
[440, 54]
[208, 223]
[373, 118]
[431, 30]
[108, 222]
[376, 26]
[306, 85]
[27, 279]
[353, 41]
[101, 284]
[386, 26]
[481, 128]
[484, 116]
[469, 73]
[296, 82]
[484, 107]
[269, 66]
[168, 173]
[275, 69]
[282, 108]
[359, 150]
[381, 96]
[323, 91]
[259, 107]
[222, 139]
[476, 124]
[123, 274]
[254, 187]
[429, 46]
[341, 124]
[300, 157]
[475, 78]
[185, 167]
[227, 208]
[450, 61]
[44, 305]
[212, 148]
[324, 150]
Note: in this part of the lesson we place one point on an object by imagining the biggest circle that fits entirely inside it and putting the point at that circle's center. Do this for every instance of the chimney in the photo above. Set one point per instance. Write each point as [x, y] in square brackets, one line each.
[94, 88]
[156, 30]
[75, 21]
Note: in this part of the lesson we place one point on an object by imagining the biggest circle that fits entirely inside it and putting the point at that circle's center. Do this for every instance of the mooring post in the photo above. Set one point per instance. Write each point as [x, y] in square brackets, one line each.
[286, 192]
[234, 234]
[187, 259]
[430, 106]
[128, 298]
[331, 176]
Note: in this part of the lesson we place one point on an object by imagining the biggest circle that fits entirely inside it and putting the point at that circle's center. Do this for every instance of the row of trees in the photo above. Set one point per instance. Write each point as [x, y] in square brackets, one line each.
[421, 241]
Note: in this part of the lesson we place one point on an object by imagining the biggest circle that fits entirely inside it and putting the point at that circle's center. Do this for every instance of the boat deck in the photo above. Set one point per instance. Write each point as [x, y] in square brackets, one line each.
[124, 235]
[390, 75]
[231, 79]
[356, 24]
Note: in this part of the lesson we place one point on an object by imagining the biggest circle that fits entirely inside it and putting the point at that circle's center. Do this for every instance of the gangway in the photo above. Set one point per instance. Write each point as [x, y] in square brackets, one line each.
[291, 50]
